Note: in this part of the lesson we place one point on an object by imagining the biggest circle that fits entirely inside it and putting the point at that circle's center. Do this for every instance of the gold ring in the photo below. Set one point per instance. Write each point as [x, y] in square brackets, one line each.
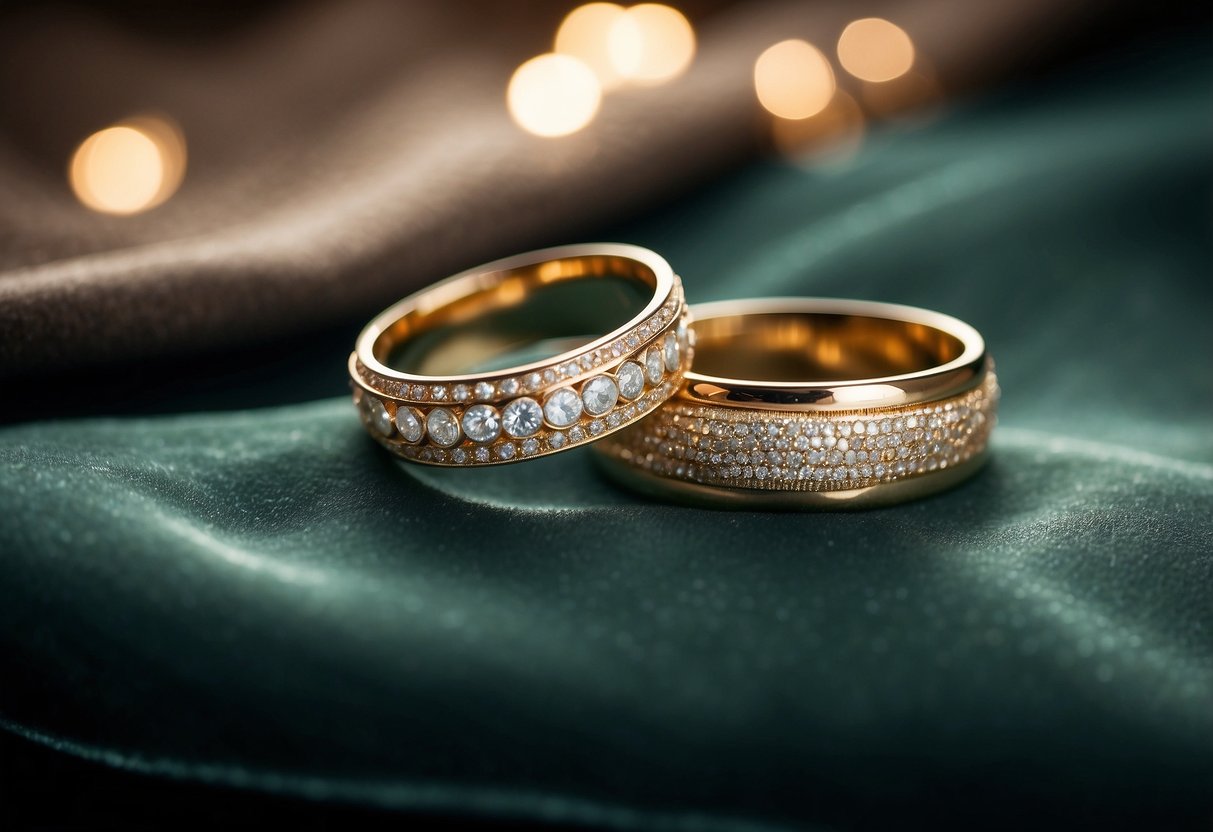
[429, 374]
[814, 403]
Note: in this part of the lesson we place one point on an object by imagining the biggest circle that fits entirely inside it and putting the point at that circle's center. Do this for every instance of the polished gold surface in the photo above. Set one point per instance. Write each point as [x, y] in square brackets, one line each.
[814, 403]
[831, 354]
[428, 372]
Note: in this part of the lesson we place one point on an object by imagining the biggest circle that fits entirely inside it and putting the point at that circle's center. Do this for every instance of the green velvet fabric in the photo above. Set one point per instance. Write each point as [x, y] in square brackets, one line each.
[263, 599]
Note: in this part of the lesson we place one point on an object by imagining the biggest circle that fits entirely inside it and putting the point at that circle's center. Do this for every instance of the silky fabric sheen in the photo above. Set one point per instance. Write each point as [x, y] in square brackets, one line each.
[263, 599]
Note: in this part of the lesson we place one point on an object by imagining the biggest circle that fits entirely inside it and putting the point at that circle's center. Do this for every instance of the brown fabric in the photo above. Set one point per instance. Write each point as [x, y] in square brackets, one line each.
[343, 154]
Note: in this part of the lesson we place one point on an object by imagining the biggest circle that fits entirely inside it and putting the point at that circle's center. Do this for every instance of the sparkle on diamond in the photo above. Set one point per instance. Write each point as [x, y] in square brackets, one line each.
[381, 420]
[599, 395]
[562, 407]
[442, 427]
[654, 367]
[408, 422]
[670, 350]
[522, 417]
[482, 423]
[630, 376]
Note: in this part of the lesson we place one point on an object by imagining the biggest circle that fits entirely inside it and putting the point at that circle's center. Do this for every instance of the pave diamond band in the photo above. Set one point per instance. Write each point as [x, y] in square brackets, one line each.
[903, 405]
[425, 372]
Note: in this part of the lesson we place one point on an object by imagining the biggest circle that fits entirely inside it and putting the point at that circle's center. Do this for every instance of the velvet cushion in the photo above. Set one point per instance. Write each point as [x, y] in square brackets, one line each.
[261, 599]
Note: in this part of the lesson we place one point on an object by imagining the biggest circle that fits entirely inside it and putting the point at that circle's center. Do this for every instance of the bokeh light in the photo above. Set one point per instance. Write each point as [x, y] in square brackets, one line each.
[830, 139]
[129, 167]
[917, 95]
[873, 49]
[553, 95]
[793, 80]
[651, 43]
[585, 34]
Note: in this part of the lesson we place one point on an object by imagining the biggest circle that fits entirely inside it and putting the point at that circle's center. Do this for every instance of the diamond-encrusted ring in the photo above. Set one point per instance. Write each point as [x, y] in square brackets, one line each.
[814, 403]
[463, 373]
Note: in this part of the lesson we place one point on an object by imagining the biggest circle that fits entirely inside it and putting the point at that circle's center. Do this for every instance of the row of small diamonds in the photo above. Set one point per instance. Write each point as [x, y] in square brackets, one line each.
[722, 446]
[533, 382]
[524, 426]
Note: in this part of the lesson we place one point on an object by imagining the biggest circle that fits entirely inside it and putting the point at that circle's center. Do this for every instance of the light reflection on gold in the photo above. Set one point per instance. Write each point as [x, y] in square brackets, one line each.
[651, 43]
[585, 34]
[553, 95]
[832, 137]
[874, 49]
[793, 80]
[129, 167]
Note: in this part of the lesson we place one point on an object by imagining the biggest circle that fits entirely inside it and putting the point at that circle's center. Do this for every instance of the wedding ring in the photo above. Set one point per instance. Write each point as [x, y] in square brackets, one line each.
[813, 403]
[508, 361]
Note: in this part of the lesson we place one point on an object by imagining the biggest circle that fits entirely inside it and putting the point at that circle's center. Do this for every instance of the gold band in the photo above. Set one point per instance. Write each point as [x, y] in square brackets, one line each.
[426, 374]
[814, 403]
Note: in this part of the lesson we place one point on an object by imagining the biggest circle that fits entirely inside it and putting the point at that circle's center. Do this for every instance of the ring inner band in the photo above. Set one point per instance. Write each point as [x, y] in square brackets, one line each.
[817, 347]
[488, 321]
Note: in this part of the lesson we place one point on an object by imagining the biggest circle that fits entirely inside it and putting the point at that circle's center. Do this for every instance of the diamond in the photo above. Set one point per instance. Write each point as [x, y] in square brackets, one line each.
[482, 423]
[484, 391]
[438, 392]
[530, 446]
[576, 434]
[408, 422]
[522, 417]
[482, 454]
[442, 427]
[630, 377]
[653, 365]
[509, 387]
[556, 441]
[419, 392]
[379, 418]
[534, 382]
[459, 455]
[461, 393]
[506, 450]
[670, 351]
[599, 394]
[562, 407]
